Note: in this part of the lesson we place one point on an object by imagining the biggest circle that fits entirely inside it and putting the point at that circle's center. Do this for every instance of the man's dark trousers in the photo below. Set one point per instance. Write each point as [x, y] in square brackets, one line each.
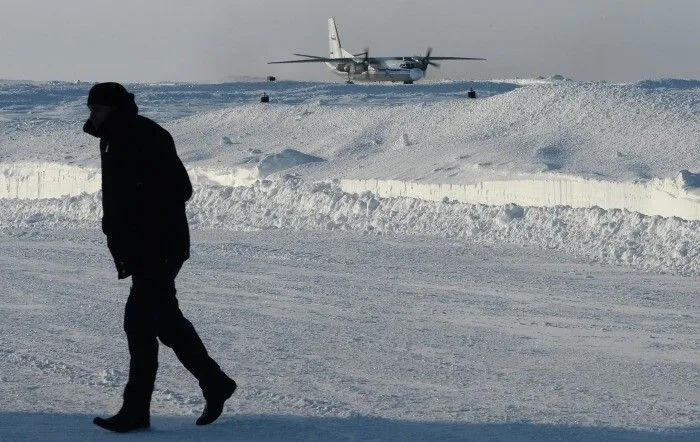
[152, 313]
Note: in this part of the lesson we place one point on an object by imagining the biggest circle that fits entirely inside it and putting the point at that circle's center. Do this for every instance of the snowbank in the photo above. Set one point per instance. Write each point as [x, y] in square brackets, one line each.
[47, 180]
[284, 160]
[679, 197]
[607, 236]
[668, 198]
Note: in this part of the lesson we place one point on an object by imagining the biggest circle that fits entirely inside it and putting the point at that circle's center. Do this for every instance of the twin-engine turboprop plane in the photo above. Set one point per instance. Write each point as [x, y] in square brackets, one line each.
[362, 67]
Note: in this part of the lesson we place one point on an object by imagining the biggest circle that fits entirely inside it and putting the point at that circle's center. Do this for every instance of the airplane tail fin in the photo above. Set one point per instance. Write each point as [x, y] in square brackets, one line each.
[334, 48]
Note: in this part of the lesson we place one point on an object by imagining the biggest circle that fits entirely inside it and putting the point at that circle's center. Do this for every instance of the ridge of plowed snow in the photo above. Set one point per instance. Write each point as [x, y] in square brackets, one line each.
[607, 236]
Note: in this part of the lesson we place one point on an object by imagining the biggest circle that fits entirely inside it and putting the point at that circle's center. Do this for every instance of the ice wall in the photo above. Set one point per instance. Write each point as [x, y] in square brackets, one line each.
[666, 198]
[54, 180]
[47, 180]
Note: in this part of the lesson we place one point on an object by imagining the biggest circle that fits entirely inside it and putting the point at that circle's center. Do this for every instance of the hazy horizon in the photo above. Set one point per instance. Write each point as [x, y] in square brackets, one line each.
[217, 40]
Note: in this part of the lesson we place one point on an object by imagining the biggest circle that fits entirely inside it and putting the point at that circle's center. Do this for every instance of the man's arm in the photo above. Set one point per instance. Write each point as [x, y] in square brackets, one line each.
[163, 179]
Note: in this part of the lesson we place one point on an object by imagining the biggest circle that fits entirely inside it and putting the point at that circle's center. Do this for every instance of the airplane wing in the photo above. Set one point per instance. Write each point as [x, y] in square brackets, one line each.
[317, 59]
[308, 56]
[456, 58]
[434, 58]
[314, 60]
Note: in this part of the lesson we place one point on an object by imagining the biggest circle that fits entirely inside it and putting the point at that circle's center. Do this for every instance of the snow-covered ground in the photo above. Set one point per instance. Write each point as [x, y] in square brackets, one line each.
[374, 261]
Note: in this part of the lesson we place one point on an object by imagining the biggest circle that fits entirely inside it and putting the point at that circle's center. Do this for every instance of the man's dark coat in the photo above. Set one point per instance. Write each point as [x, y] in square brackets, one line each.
[144, 190]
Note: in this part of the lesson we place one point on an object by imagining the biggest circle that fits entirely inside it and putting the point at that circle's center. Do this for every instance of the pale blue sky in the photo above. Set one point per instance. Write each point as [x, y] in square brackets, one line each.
[219, 40]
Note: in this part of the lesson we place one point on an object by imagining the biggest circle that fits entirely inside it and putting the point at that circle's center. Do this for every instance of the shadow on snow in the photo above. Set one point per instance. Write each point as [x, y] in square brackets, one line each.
[64, 427]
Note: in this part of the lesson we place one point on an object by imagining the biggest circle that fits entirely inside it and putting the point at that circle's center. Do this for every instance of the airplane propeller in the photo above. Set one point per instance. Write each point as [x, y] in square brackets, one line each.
[425, 61]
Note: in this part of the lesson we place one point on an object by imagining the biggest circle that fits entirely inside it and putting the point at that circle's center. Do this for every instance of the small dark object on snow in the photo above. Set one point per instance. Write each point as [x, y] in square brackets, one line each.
[471, 93]
[265, 98]
[271, 78]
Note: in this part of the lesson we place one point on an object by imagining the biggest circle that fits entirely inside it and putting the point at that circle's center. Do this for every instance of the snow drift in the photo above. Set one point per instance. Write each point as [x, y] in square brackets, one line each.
[607, 236]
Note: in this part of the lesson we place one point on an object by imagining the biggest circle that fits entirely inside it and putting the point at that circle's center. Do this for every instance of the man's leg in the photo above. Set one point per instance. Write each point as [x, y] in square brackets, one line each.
[175, 331]
[140, 325]
[178, 333]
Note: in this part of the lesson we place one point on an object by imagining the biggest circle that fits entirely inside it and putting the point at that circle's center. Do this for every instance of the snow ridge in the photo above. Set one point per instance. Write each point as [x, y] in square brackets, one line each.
[664, 197]
[614, 237]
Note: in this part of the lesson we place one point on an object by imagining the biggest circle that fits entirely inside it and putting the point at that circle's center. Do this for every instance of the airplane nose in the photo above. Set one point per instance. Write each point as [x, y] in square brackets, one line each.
[415, 74]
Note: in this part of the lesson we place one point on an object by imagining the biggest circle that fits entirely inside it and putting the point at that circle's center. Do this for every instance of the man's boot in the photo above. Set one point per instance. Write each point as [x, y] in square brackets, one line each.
[125, 420]
[215, 398]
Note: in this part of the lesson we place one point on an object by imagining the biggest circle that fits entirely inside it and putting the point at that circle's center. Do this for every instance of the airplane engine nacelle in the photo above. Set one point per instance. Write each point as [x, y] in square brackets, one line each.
[416, 74]
[357, 68]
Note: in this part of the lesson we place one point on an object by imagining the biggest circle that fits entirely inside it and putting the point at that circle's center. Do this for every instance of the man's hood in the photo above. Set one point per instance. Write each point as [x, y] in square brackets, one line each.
[122, 113]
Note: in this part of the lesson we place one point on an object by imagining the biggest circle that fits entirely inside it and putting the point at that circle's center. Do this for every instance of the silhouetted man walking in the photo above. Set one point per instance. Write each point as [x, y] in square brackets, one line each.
[144, 190]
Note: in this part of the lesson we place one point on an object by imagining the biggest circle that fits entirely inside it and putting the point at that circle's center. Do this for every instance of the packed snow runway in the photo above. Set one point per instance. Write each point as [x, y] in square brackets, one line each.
[344, 336]
[373, 262]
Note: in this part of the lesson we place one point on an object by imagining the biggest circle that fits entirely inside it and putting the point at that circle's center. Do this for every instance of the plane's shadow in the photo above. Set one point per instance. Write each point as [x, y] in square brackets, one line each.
[65, 427]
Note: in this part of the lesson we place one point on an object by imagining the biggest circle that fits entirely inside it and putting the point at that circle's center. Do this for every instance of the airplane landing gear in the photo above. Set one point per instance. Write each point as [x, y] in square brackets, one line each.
[408, 82]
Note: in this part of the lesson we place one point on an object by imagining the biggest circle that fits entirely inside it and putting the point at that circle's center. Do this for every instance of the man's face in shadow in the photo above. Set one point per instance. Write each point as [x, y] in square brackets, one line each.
[99, 113]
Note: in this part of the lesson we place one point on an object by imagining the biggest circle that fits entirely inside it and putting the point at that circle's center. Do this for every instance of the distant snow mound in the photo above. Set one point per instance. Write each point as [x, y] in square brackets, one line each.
[555, 77]
[559, 77]
[669, 83]
[688, 180]
[284, 160]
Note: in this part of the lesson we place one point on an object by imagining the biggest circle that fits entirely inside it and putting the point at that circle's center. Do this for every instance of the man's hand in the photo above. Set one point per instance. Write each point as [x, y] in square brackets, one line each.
[122, 269]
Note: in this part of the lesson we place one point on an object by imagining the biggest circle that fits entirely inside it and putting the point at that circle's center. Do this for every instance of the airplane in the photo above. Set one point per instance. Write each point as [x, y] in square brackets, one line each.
[362, 67]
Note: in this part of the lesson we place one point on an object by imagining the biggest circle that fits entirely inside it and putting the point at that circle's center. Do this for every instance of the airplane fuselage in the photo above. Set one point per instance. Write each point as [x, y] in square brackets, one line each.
[388, 70]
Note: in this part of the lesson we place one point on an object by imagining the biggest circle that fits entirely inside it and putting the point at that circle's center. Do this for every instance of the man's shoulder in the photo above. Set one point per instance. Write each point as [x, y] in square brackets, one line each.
[146, 126]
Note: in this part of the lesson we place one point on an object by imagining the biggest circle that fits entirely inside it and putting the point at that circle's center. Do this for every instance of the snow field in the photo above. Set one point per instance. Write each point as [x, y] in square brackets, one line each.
[380, 262]
[334, 335]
